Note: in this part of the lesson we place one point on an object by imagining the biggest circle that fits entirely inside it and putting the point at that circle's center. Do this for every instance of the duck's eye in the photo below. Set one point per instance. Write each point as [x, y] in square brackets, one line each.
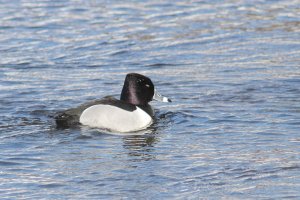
[139, 81]
[147, 85]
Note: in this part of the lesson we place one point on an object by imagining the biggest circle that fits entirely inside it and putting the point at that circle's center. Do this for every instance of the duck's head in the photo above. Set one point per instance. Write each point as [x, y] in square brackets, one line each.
[139, 90]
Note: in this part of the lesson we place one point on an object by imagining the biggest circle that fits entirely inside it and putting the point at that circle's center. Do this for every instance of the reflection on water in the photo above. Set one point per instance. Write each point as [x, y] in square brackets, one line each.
[140, 146]
[232, 69]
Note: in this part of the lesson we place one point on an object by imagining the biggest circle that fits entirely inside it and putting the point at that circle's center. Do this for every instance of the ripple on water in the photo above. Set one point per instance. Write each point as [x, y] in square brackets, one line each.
[231, 69]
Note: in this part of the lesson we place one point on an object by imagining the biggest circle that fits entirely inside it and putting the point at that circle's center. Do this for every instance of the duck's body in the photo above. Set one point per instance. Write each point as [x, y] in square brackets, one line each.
[131, 113]
[116, 118]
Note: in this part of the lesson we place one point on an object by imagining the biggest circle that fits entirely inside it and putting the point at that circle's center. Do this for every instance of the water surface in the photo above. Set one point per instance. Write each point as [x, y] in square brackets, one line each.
[231, 69]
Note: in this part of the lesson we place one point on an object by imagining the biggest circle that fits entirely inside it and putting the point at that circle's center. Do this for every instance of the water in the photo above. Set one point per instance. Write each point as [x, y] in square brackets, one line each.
[231, 68]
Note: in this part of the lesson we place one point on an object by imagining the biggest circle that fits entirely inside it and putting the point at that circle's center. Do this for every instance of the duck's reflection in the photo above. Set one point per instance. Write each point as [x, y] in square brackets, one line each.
[140, 147]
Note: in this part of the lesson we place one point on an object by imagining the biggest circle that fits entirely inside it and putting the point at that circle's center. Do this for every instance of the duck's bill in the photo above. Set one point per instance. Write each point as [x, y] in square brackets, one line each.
[159, 97]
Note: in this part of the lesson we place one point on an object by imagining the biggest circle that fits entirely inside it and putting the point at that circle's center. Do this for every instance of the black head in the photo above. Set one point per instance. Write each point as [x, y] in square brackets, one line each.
[137, 89]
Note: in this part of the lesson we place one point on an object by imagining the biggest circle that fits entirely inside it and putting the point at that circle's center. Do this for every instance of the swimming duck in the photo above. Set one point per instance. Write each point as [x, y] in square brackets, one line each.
[131, 113]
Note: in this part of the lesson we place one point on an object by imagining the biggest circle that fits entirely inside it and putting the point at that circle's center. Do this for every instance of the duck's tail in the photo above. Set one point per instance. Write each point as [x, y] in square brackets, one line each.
[66, 120]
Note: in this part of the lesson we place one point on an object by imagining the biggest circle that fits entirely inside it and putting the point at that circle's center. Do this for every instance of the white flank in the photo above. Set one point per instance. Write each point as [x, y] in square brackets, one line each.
[115, 119]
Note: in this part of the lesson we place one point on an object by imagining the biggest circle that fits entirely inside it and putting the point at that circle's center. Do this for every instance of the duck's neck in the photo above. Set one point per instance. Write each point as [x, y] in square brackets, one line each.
[130, 95]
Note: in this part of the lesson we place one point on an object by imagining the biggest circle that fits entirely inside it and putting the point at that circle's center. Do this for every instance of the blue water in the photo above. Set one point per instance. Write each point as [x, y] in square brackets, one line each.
[231, 68]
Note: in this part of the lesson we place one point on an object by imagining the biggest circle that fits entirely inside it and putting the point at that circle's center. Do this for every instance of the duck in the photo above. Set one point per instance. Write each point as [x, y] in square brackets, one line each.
[132, 112]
